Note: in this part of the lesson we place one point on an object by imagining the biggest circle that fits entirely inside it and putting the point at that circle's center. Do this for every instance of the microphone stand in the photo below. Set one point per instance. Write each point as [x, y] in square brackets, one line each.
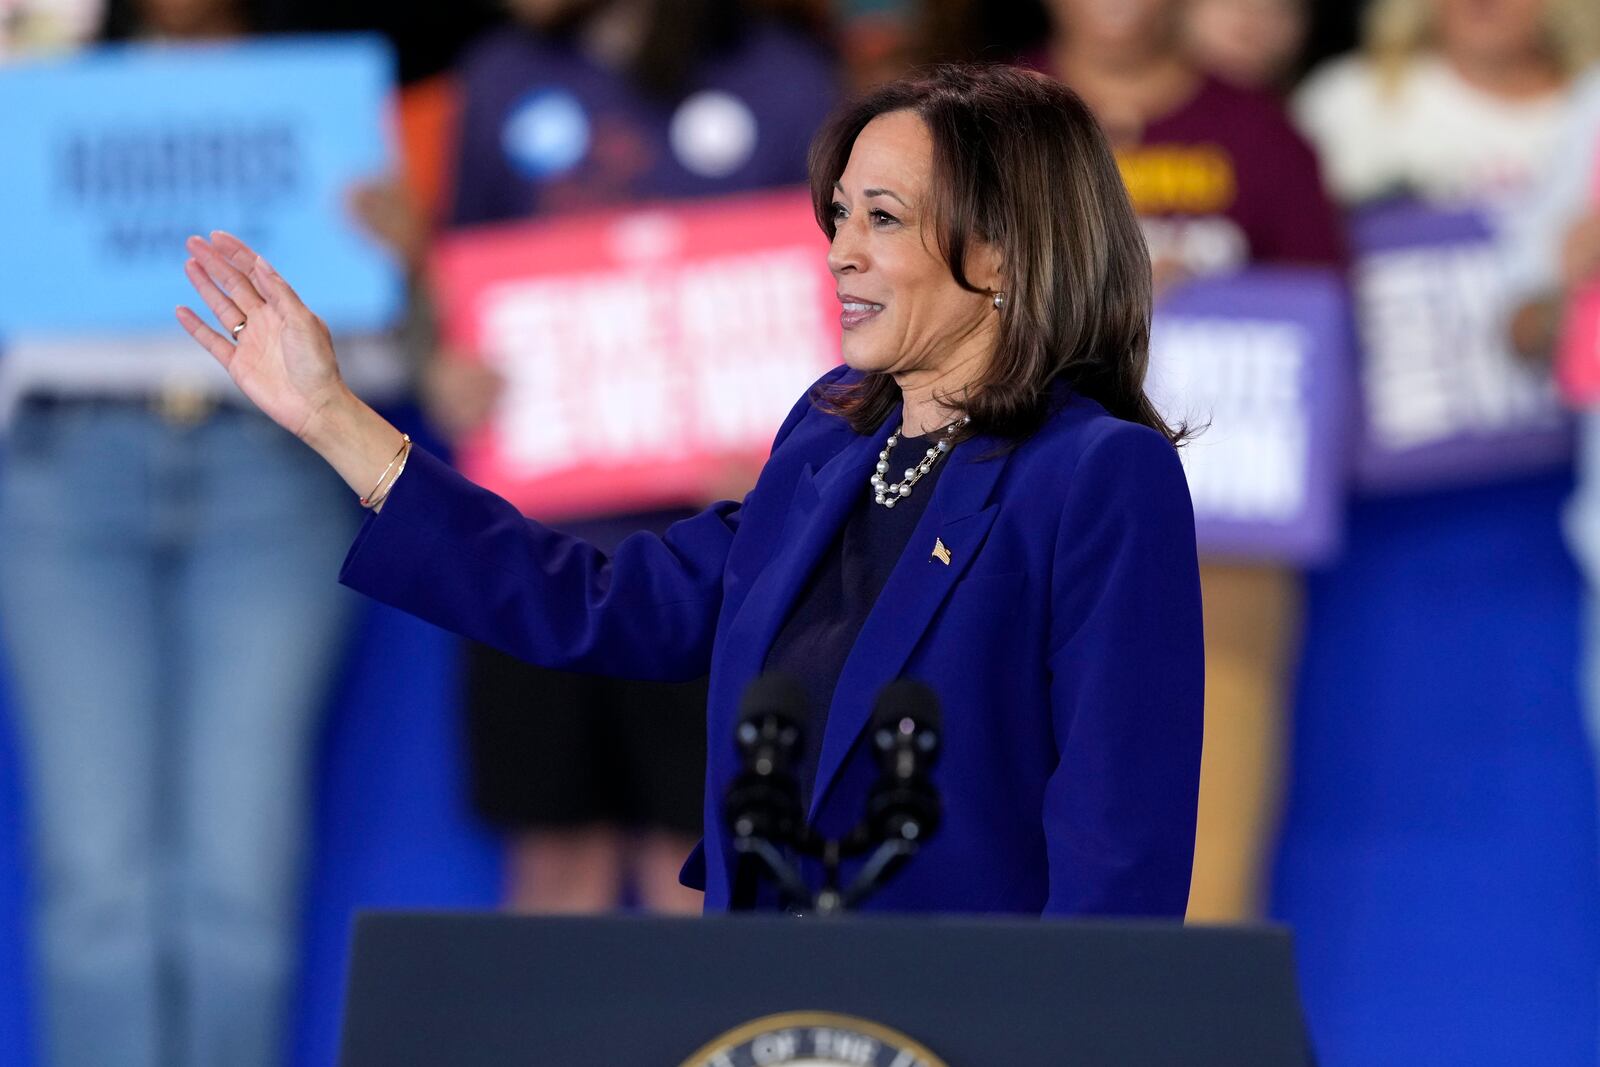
[833, 898]
[781, 870]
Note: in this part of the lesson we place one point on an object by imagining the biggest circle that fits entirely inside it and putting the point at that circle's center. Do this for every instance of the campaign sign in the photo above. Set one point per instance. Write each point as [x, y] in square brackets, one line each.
[114, 156]
[1578, 361]
[1258, 364]
[1578, 351]
[1444, 400]
[645, 352]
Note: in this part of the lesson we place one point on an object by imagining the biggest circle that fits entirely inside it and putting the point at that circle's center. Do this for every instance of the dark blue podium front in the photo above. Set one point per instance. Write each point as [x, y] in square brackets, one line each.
[485, 990]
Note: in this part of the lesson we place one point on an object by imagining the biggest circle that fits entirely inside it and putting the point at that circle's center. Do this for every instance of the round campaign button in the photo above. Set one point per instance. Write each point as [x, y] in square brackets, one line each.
[546, 133]
[713, 133]
[813, 1039]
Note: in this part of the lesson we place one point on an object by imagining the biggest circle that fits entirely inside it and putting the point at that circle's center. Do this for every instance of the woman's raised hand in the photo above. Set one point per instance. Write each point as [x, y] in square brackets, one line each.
[283, 357]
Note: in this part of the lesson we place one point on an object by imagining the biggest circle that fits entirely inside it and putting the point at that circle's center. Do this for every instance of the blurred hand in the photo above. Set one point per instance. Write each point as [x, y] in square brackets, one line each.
[1580, 253]
[283, 359]
[385, 208]
[458, 394]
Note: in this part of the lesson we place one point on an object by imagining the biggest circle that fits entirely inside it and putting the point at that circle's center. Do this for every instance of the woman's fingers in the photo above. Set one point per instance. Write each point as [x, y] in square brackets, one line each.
[272, 286]
[267, 281]
[209, 339]
[249, 261]
[226, 311]
[239, 254]
[230, 279]
[277, 291]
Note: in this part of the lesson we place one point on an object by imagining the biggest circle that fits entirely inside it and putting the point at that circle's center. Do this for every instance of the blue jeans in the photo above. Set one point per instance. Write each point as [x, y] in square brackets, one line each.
[170, 605]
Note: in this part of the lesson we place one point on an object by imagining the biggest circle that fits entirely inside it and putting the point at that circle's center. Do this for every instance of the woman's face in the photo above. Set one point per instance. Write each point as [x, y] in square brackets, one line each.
[1248, 42]
[1116, 27]
[554, 15]
[185, 18]
[1490, 30]
[902, 311]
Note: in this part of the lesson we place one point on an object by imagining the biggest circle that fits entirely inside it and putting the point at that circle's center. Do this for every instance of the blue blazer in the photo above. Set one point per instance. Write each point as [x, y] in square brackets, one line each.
[1063, 637]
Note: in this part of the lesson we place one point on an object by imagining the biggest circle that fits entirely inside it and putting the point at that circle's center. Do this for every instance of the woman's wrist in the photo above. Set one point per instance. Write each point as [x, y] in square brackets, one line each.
[354, 439]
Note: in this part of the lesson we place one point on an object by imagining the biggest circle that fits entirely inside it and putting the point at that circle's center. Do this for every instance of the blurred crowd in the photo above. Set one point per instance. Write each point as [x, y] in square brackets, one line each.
[173, 628]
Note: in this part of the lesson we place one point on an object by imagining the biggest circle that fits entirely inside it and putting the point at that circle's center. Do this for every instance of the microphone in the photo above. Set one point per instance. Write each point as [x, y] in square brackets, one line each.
[762, 806]
[764, 800]
[905, 732]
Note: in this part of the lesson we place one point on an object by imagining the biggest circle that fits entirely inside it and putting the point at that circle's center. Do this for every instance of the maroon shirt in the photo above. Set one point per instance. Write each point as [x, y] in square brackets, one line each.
[1226, 180]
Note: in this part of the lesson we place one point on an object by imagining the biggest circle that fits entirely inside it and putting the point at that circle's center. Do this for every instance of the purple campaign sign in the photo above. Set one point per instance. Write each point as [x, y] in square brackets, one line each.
[1442, 399]
[1260, 363]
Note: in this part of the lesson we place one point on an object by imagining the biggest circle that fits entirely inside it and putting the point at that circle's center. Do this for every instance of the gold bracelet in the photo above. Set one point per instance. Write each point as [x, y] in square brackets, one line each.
[381, 491]
[372, 499]
[398, 471]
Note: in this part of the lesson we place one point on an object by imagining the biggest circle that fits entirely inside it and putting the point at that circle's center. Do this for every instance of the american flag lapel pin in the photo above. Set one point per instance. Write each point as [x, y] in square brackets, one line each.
[941, 553]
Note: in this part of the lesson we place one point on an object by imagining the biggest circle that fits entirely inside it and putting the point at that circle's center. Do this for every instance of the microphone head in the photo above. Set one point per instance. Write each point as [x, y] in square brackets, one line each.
[774, 694]
[907, 709]
[764, 800]
[771, 715]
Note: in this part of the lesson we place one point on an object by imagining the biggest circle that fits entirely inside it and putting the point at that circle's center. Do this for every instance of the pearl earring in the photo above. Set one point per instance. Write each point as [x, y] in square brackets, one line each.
[999, 301]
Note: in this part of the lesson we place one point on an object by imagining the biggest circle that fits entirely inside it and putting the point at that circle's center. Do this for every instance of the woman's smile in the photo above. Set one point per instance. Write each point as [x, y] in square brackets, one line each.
[856, 311]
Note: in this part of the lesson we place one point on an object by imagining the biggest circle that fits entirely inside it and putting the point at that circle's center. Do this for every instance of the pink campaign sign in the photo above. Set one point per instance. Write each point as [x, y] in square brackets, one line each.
[1578, 364]
[646, 352]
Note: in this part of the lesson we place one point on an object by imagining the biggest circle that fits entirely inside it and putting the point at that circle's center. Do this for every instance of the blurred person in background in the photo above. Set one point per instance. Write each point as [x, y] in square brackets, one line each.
[587, 104]
[1554, 238]
[877, 39]
[172, 649]
[1461, 103]
[1254, 44]
[29, 27]
[1449, 101]
[1221, 180]
[1218, 173]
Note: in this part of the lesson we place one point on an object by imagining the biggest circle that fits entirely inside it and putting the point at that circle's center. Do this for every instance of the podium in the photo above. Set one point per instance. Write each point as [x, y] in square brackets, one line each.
[484, 990]
[735, 991]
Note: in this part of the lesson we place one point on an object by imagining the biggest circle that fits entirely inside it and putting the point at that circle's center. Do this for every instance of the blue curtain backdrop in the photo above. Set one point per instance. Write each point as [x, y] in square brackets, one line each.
[1439, 857]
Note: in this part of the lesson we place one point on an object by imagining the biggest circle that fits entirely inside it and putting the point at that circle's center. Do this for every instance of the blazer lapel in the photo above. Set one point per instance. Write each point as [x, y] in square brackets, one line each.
[822, 501]
[958, 519]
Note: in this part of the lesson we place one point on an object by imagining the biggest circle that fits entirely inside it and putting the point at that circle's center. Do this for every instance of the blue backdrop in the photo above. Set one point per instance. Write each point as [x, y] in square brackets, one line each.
[1439, 858]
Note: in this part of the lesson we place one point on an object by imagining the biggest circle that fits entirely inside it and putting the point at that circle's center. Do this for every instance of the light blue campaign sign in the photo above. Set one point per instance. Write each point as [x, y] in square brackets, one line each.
[114, 156]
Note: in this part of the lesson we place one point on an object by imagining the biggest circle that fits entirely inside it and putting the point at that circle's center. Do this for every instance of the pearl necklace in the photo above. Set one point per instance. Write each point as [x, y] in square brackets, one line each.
[889, 495]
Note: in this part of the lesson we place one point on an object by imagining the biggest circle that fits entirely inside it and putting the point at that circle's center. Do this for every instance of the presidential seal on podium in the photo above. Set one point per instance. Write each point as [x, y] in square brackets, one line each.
[813, 1039]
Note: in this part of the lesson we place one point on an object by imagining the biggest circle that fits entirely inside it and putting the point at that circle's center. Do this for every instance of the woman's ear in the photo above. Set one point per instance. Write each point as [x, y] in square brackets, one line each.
[986, 266]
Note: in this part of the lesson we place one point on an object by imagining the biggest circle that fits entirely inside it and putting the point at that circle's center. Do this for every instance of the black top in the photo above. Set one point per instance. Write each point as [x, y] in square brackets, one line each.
[832, 607]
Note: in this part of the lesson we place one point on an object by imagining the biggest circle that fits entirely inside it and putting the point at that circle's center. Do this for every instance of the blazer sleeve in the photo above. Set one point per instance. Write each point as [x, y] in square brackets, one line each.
[1127, 683]
[460, 557]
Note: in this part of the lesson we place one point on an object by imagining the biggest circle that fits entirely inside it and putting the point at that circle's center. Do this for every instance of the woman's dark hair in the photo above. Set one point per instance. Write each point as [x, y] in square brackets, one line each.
[1019, 162]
